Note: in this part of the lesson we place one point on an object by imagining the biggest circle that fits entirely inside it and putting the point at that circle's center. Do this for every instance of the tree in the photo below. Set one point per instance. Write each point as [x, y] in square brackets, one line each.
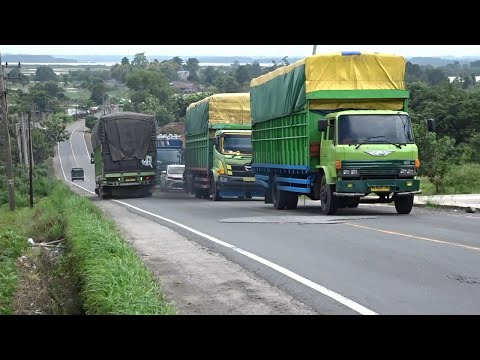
[242, 74]
[192, 66]
[177, 60]
[67, 78]
[210, 74]
[45, 73]
[90, 121]
[120, 72]
[436, 154]
[149, 81]
[227, 84]
[475, 146]
[436, 76]
[98, 91]
[140, 60]
[178, 103]
[125, 61]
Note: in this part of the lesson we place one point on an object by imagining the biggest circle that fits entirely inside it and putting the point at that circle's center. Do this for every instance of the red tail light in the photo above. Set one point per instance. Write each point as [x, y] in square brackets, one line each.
[147, 177]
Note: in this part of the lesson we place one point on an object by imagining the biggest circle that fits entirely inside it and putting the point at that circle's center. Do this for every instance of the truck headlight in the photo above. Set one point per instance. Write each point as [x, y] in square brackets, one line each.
[407, 172]
[350, 172]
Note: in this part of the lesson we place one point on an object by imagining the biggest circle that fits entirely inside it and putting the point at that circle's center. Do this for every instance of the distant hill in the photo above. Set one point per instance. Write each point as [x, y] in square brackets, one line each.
[37, 59]
[442, 61]
[201, 59]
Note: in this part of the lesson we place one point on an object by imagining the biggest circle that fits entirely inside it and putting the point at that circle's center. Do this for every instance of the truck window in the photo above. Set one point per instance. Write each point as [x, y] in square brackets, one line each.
[237, 143]
[393, 128]
[331, 132]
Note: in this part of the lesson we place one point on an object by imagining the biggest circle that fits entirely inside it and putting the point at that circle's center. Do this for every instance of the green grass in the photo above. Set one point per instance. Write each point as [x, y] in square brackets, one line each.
[111, 276]
[119, 93]
[113, 279]
[12, 245]
[79, 95]
[461, 179]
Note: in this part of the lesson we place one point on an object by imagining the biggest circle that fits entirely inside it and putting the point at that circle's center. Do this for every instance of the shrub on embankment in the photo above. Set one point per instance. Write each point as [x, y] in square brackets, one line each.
[111, 277]
[113, 280]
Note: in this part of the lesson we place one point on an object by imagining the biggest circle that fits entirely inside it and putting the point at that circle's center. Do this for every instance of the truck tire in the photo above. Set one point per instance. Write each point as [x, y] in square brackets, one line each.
[198, 193]
[278, 198]
[404, 204]
[102, 194]
[215, 192]
[268, 196]
[292, 200]
[329, 202]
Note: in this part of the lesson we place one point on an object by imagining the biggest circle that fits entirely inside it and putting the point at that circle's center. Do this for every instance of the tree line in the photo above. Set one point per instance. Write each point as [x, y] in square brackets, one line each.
[455, 105]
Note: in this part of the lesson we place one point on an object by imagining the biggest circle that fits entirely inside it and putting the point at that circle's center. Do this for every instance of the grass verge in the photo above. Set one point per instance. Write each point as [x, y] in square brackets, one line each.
[113, 280]
[98, 267]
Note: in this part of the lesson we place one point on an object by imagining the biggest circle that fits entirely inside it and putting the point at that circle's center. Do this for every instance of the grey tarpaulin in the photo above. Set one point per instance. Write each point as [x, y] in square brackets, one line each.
[125, 133]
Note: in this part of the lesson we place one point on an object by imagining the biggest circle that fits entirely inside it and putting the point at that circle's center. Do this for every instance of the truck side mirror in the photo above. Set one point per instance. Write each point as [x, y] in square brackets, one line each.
[215, 141]
[322, 125]
[431, 125]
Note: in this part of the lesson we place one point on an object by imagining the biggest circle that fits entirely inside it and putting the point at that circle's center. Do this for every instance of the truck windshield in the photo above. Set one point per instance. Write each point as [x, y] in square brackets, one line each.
[375, 129]
[169, 156]
[237, 143]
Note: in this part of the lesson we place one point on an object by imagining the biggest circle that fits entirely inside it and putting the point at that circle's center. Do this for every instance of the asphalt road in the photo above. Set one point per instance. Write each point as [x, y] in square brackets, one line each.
[368, 260]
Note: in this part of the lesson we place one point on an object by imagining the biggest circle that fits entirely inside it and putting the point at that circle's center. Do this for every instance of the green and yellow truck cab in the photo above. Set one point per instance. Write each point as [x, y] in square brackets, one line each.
[124, 154]
[335, 128]
[218, 148]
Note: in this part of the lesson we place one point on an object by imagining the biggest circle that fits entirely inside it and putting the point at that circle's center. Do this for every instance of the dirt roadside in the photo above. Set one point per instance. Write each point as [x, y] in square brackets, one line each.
[193, 278]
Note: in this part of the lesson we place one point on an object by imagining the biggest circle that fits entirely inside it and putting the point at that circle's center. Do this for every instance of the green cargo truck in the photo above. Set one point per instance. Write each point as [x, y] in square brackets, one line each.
[218, 148]
[335, 128]
[124, 154]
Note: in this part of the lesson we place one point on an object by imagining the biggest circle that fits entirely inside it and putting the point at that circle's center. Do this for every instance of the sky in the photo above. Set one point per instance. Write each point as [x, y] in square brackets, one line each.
[239, 50]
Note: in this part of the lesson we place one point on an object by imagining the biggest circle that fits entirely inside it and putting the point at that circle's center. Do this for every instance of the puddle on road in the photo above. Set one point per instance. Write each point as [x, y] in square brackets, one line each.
[296, 219]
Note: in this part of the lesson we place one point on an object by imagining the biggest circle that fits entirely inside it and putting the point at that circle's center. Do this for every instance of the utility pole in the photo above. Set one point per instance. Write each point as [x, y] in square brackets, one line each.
[8, 151]
[30, 155]
[314, 49]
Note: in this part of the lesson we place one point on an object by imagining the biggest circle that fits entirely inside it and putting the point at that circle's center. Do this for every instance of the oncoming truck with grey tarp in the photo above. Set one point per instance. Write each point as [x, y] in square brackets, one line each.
[335, 128]
[124, 154]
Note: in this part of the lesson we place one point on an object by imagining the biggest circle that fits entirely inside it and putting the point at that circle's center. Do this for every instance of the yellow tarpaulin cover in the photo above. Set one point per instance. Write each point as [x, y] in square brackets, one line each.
[346, 72]
[231, 108]
[365, 104]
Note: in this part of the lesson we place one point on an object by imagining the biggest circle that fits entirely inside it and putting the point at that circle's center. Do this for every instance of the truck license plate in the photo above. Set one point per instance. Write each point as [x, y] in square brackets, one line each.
[380, 189]
[248, 179]
[130, 179]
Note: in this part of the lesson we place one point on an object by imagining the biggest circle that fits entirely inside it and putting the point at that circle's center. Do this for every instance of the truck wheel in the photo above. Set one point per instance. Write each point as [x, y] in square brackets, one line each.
[215, 192]
[329, 202]
[292, 201]
[404, 204]
[268, 196]
[102, 194]
[198, 193]
[278, 198]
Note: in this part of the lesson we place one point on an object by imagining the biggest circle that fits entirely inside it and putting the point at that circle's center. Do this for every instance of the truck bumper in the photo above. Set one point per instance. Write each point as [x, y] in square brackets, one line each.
[175, 184]
[364, 187]
[237, 186]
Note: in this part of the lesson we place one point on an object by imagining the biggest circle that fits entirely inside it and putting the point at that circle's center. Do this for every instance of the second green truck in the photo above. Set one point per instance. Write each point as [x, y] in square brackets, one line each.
[218, 148]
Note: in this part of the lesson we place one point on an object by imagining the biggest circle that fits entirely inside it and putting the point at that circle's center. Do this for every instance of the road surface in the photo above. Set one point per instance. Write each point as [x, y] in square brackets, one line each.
[368, 260]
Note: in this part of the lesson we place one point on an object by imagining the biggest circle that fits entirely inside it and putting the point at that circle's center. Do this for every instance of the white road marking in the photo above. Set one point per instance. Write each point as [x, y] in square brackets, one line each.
[71, 146]
[86, 147]
[321, 289]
